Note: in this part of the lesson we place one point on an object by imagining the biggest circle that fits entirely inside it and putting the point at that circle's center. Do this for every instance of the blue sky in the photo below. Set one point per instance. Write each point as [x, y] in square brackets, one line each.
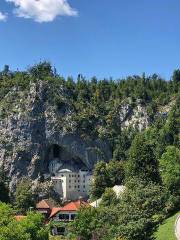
[106, 38]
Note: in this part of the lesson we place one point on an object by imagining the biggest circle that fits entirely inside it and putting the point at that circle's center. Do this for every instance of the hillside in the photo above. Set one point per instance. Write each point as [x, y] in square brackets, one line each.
[85, 121]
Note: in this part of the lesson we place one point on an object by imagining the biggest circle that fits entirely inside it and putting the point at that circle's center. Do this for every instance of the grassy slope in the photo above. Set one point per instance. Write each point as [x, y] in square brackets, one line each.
[166, 230]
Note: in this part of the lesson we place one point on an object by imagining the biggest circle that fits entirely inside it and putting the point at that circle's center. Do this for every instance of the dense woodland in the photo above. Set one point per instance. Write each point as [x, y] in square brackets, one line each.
[146, 162]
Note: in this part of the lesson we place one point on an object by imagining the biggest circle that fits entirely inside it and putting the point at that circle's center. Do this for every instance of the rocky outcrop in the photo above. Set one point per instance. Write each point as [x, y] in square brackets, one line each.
[136, 115]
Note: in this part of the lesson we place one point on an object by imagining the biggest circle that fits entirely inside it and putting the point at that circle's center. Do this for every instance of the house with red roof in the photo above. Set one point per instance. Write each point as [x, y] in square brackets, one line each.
[65, 214]
[68, 212]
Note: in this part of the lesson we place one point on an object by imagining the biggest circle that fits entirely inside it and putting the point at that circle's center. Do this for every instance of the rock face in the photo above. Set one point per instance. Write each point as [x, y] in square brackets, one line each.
[136, 117]
[35, 133]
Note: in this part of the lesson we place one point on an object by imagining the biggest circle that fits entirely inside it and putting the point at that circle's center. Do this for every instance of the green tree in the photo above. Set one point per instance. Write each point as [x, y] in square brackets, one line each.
[170, 132]
[176, 79]
[142, 161]
[10, 229]
[140, 210]
[85, 223]
[24, 198]
[106, 175]
[30, 228]
[33, 224]
[109, 198]
[100, 180]
[170, 169]
[116, 172]
[41, 70]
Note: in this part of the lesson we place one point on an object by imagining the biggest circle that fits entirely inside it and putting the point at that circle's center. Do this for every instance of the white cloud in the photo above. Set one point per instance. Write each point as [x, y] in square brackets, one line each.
[3, 17]
[43, 10]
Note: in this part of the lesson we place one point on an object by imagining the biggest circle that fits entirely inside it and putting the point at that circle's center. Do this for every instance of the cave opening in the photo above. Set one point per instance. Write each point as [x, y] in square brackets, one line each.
[56, 151]
[58, 157]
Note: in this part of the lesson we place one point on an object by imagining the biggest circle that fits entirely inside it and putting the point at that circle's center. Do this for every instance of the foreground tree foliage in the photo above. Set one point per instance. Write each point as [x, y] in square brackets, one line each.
[170, 169]
[170, 173]
[140, 210]
[106, 175]
[29, 228]
[135, 216]
[109, 198]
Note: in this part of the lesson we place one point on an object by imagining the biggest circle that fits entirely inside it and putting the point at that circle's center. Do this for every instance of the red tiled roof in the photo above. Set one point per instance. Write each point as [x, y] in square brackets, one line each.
[44, 204]
[72, 206]
[19, 217]
[54, 211]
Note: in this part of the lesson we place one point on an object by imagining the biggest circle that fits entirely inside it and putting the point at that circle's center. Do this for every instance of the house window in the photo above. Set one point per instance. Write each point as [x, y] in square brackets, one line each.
[69, 175]
[69, 186]
[83, 181]
[73, 216]
[78, 186]
[62, 175]
[84, 186]
[69, 181]
[63, 216]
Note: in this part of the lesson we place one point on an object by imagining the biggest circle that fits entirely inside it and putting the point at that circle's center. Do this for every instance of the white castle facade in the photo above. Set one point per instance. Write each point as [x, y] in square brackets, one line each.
[71, 185]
